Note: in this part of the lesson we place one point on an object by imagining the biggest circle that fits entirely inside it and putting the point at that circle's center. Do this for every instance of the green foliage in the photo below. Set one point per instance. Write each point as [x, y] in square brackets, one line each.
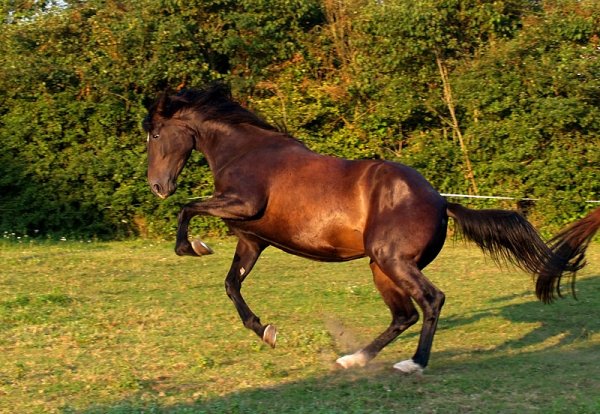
[357, 79]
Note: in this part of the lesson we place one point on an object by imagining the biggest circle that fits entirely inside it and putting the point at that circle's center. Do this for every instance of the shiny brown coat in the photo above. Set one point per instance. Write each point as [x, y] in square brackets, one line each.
[271, 190]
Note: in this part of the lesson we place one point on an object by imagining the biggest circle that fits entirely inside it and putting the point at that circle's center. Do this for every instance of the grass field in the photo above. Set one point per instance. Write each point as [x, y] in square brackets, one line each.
[128, 327]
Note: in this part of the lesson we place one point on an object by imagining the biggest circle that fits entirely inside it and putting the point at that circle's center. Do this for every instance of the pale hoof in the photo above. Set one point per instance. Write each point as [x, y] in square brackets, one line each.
[201, 248]
[270, 335]
[357, 359]
[408, 367]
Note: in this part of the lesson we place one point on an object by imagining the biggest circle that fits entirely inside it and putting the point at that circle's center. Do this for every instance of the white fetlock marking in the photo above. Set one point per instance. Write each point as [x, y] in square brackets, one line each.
[409, 366]
[356, 359]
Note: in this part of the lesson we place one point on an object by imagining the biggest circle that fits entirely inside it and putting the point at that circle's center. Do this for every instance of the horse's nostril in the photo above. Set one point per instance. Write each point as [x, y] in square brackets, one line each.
[157, 189]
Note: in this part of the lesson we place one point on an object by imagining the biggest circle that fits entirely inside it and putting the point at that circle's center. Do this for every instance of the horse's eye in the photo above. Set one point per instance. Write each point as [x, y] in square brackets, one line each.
[156, 136]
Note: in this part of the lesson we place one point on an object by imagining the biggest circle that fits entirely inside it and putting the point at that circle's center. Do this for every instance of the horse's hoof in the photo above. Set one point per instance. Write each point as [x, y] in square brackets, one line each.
[408, 367]
[348, 361]
[201, 248]
[270, 335]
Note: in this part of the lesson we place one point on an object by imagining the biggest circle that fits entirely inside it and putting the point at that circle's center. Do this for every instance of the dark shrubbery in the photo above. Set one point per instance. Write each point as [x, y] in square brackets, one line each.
[496, 98]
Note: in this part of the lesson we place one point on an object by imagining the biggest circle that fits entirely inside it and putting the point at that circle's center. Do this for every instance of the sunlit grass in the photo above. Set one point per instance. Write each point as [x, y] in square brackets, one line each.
[131, 327]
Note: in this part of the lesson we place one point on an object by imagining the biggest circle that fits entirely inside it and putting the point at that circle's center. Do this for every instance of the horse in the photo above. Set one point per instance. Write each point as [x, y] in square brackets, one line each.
[571, 243]
[271, 190]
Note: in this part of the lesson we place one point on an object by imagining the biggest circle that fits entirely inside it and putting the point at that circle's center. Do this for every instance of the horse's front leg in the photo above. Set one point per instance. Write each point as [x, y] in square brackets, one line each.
[224, 206]
[246, 253]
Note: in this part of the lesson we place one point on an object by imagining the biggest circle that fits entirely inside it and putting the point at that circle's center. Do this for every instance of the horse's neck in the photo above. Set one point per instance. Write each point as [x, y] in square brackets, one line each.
[223, 143]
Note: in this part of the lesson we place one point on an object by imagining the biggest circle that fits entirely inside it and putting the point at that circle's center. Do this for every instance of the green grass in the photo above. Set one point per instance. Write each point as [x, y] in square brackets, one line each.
[130, 327]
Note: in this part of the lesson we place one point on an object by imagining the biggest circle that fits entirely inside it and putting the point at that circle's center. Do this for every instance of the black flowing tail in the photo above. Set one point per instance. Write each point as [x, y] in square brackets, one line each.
[508, 237]
[571, 243]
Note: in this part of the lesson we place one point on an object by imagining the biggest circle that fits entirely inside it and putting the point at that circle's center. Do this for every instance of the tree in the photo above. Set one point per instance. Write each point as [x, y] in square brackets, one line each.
[489, 96]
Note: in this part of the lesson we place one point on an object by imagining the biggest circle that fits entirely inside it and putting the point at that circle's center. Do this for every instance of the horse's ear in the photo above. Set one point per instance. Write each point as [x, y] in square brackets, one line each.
[163, 103]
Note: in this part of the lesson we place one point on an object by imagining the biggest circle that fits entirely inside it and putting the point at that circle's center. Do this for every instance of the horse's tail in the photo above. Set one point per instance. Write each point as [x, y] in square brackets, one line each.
[571, 243]
[508, 237]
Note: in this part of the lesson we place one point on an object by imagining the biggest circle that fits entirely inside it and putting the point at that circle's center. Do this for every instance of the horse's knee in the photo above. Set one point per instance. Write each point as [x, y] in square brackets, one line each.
[405, 321]
[435, 302]
[232, 287]
[439, 299]
[185, 215]
[412, 319]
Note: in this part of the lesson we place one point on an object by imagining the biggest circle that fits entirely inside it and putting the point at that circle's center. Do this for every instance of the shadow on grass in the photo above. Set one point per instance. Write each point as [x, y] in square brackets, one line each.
[530, 382]
[566, 319]
[558, 378]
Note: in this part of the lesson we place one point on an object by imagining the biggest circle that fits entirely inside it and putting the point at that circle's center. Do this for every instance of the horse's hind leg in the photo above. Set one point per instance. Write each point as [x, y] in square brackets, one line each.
[403, 312]
[406, 274]
[246, 255]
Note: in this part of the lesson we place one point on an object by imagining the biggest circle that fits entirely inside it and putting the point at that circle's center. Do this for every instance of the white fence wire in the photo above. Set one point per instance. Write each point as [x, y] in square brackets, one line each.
[500, 197]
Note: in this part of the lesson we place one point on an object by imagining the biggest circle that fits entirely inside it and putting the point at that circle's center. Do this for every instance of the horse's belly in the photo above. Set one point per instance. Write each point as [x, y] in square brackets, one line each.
[318, 241]
[319, 211]
[323, 250]
[330, 244]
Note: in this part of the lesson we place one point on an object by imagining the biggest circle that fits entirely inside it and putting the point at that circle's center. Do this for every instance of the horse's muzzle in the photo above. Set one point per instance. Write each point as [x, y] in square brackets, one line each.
[161, 191]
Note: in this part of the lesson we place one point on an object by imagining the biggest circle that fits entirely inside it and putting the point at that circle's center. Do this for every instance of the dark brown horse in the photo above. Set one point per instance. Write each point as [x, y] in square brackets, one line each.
[271, 190]
[569, 247]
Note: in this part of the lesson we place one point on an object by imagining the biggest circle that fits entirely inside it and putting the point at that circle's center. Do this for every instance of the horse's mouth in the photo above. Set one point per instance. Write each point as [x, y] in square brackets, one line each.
[161, 192]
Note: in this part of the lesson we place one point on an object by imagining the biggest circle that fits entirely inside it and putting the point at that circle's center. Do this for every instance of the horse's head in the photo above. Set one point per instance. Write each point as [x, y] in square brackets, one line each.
[170, 143]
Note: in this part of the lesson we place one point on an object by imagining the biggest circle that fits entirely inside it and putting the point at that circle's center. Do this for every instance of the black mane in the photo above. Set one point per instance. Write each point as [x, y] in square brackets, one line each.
[215, 103]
